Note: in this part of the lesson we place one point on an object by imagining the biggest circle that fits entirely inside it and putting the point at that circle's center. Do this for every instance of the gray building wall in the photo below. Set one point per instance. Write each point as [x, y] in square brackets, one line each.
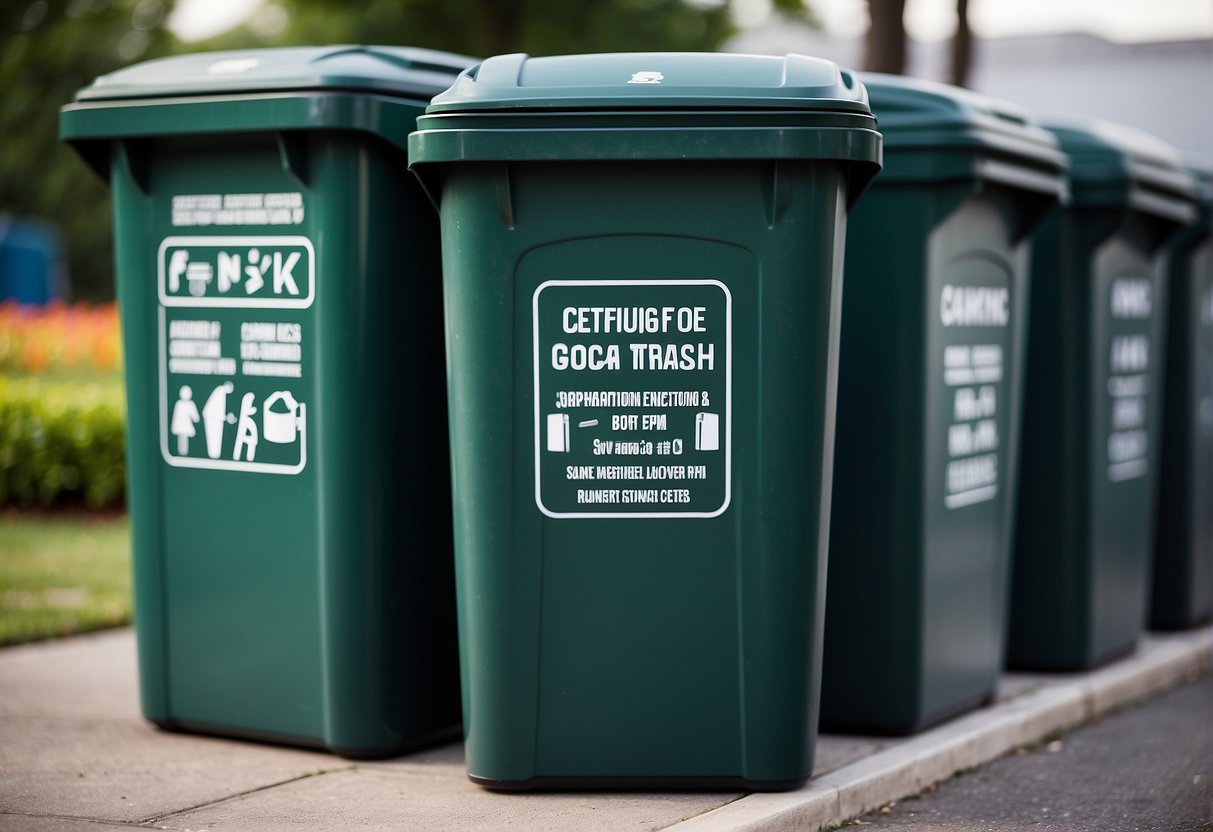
[1165, 88]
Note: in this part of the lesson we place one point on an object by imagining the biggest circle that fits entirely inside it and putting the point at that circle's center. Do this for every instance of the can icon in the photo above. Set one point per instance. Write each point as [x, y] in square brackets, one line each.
[707, 431]
[280, 426]
[558, 432]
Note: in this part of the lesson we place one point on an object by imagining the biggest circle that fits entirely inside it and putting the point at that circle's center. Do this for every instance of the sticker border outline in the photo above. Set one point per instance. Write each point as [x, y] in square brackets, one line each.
[236, 302]
[211, 464]
[728, 396]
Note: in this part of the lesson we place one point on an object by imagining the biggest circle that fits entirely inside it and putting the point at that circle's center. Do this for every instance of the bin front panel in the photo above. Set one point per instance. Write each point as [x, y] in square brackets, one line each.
[225, 277]
[1201, 412]
[639, 529]
[1182, 588]
[292, 554]
[1091, 441]
[929, 410]
[1128, 347]
[653, 460]
[976, 299]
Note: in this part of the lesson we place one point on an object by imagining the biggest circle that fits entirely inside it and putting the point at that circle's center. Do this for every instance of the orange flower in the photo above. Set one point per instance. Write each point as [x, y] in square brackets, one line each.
[59, 337]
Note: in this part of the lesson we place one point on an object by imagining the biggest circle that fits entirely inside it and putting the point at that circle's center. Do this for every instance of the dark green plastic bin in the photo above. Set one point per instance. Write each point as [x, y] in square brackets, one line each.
[641, 257]
[1085, 527]
[278, 276]
[1182, 594]
[929, 398]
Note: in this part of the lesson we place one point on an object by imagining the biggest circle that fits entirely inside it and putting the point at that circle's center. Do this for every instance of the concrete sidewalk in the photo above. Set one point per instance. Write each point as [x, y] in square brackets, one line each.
[76, 755]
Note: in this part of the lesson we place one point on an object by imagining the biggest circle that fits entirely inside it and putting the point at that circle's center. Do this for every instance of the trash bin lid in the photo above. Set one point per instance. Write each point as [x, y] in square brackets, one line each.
[1113, 163]
[393, 70]
[652, 106]
[295, 88]
[653, 79]
[1201, 170]
[935, 131]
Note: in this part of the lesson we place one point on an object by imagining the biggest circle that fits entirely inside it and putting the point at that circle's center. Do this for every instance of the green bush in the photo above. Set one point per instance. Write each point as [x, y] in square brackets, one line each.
[61, 442]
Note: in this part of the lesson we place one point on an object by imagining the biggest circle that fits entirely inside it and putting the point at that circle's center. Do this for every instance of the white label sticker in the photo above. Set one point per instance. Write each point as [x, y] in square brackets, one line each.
[973, 374]
[233, 387]
[1131, 308]
[245, 272]
[202, 210]
[633, 398]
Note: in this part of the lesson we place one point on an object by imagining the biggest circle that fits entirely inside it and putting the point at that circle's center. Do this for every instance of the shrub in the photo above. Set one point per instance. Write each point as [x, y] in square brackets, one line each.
[62, 443]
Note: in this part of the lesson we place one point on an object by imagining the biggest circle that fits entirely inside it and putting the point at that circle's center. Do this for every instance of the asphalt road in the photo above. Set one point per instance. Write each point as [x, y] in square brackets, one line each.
[1149, 767]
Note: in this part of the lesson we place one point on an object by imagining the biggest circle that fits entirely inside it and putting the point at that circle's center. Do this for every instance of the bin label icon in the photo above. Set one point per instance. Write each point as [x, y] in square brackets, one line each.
[232, 347]
[633, 398]
[245, 272]
[558, 432]
[707, 432]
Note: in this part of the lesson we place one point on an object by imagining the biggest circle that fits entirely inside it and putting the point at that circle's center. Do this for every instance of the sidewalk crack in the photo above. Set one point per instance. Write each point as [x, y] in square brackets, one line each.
[56, 816]
[240, 795]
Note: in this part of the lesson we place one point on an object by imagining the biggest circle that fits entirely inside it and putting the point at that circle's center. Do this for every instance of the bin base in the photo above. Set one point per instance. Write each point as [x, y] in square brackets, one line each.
[1068, 664]
[884, 728]
[1176, 624]
[439, 737]
[639, 784]
[174, 726]
[414, 743]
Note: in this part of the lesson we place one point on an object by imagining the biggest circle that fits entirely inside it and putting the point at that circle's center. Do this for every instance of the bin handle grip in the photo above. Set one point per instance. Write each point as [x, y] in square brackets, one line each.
[292, 152]
[429, 190]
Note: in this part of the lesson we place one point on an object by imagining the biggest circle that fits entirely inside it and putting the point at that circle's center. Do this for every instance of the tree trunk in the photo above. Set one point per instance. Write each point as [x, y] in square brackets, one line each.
[503, 19]
[886, 44]
[962, 45]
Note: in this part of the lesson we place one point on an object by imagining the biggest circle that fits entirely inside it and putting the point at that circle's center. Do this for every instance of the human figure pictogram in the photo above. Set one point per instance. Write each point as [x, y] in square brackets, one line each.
[214, 416]
[185, 416]
[246, 429]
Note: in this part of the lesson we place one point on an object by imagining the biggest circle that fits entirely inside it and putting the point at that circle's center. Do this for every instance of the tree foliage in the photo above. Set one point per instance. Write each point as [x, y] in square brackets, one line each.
[491, 27]
[52, 48]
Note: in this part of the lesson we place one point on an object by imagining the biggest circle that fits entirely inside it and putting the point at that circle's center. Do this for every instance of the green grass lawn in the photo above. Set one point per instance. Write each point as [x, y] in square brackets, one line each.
[62, 575]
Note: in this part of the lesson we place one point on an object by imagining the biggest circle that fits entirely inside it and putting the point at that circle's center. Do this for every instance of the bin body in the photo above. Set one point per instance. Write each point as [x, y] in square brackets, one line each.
[1182, 586]
[641, 507]
[277, 274]
[934, 319]
[1085, 525]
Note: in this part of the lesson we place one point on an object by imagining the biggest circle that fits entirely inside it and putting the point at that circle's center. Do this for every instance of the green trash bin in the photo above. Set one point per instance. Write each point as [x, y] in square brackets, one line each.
[929, 400]
[1085, 530]
[278, 275]
[641, 263]
[1182, 594]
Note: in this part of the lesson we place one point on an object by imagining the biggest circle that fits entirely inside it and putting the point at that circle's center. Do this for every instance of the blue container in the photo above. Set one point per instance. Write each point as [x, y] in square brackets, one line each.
[31, 262]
